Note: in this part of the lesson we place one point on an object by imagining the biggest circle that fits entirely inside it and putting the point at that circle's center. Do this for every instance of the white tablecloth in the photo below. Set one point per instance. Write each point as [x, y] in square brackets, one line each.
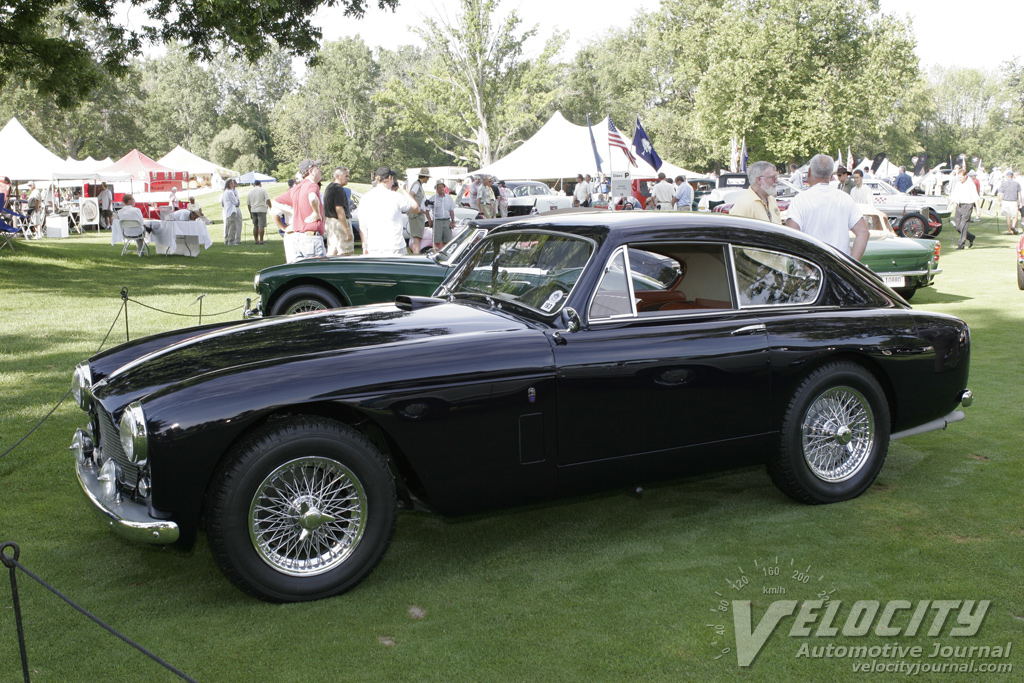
[165, 234]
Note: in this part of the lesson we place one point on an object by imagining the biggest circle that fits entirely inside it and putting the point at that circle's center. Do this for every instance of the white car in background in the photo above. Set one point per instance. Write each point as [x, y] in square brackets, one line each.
[532, 196]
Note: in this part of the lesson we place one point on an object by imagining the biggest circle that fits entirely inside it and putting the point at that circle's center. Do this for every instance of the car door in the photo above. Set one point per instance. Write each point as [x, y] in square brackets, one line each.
[659, 370]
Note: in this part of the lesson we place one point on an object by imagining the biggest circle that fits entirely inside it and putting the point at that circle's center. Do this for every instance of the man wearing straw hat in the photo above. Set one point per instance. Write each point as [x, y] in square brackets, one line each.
[418, 222]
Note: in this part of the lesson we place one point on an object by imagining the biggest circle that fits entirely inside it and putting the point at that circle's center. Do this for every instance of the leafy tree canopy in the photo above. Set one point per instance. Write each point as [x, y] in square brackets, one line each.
[44, 43]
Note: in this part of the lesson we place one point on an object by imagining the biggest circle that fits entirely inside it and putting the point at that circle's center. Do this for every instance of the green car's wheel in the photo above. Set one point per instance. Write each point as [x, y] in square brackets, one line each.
[305, 298]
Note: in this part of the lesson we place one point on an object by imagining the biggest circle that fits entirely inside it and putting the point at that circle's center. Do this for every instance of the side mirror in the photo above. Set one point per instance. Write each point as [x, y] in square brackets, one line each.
[572, 322]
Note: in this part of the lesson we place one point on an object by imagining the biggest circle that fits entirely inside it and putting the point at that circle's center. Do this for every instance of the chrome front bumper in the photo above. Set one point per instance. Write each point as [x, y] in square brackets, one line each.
[125, 517]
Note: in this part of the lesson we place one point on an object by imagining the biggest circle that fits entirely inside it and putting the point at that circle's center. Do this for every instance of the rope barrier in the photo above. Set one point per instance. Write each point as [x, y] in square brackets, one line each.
[124, 308]
[11, 562]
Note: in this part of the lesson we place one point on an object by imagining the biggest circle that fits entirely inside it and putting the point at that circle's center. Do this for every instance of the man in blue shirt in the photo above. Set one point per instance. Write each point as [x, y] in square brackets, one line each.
[684, 194]
[903, 180]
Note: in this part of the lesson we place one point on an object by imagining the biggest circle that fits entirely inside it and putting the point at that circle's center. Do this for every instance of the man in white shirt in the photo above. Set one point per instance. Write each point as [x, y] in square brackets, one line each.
[232, 216]
[861, 193]
[663, 194]
[184, 215]
[106, 200]
[683, 199]
[828, 213]
[442, 215]
[132, 212]
[964, 197]
[380, 215]
[581, 195]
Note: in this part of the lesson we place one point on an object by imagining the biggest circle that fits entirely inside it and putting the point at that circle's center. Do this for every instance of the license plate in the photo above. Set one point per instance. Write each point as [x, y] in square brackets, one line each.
[895, 280]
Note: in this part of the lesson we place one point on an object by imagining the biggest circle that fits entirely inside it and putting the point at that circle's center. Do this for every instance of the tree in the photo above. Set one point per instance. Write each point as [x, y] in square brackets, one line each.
[180, 103]
[45, 45]
[232, 143]
[250, 92]
[476, 96]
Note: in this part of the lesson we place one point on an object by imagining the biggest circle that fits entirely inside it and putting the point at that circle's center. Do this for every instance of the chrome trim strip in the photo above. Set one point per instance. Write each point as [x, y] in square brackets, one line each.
[932, 426]
[127, 519]
[375, 283]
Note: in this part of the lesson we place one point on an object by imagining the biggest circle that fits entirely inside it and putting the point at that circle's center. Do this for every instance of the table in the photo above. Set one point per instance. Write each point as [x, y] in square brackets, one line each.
[171, 237]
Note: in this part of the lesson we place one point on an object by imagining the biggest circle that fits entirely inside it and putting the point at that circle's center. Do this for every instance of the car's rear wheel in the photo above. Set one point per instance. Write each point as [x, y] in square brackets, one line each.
[301, 510]
[906, 293]
[305, 298]
[913, 225]
[1020, 275]
[835, 435]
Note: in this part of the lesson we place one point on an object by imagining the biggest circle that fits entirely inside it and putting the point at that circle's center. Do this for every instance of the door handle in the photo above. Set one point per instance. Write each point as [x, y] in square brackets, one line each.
[750, 329]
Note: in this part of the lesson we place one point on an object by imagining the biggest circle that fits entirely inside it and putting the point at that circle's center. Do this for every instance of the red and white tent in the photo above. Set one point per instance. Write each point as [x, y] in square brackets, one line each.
[154, 176]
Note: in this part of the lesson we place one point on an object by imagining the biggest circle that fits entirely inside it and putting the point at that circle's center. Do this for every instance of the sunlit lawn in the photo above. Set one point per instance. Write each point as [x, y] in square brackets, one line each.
[610, 587]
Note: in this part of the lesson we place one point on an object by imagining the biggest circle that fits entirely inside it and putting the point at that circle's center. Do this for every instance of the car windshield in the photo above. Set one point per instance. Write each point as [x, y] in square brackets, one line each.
[534, 269]
[531, 190]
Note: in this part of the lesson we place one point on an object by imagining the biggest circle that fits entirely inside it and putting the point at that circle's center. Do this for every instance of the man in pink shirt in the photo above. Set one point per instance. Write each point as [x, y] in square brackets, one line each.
[306, 230]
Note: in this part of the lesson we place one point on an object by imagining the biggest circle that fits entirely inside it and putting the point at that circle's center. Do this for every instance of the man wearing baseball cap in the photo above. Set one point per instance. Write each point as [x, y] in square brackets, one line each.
[306, 231]
[380, 215]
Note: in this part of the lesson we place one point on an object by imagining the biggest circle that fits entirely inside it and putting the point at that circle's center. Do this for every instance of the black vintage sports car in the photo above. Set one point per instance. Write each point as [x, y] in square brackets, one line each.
[573, 354]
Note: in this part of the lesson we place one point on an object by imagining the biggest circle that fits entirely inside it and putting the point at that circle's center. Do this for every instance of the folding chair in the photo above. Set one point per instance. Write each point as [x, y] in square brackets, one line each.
[8, 231]
[133, 232]
[7, 235]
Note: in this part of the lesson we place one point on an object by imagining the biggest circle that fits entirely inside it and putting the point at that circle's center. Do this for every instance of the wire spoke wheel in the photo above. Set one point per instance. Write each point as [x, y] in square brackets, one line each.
[838, 434]
[304, 305]
[308, 516]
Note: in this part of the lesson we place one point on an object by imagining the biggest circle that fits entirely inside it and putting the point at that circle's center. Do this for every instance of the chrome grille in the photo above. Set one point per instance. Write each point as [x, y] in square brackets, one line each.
[110, 442]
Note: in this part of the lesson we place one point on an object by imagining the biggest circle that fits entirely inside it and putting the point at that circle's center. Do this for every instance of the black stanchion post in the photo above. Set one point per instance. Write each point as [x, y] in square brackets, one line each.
[124, 298]
[200, 300]
[9, 562]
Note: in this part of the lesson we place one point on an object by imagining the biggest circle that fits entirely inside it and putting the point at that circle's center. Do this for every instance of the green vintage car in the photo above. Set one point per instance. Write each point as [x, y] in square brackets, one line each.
[331, 281]
[904, 264]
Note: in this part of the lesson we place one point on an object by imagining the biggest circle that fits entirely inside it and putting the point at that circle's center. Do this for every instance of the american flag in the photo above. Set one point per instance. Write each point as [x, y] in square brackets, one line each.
[615, 140]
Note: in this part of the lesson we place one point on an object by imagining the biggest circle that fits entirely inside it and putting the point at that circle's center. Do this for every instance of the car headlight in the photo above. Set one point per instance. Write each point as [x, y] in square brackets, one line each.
[81, 384]
[256, 282]
[134, 438]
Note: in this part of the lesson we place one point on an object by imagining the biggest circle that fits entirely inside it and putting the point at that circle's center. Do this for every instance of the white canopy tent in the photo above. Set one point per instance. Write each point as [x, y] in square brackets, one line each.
[180, 159]
[561, 149]
[75, 172]
[24, 158]
[885, 169]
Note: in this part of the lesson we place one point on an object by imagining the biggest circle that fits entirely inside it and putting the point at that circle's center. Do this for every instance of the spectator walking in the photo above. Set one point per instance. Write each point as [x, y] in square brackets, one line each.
[380, 215]
[305, 233]
[418, 222]
[442, 216]
[258, 202]
[758, 201]
[828, 213]
[794, 176]
[965, 198]
[476, 182]
[581, 193]
[683, 199]
[338, 216]
[1010, 202]
[232, 216]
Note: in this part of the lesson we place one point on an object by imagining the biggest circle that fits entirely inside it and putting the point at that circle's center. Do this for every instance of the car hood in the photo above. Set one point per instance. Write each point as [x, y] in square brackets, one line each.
[335, 333]
[375, 263]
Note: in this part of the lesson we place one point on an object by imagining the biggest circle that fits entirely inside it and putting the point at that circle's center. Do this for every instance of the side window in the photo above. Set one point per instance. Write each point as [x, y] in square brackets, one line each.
[612, 298]
[669, 279]
[770, 278]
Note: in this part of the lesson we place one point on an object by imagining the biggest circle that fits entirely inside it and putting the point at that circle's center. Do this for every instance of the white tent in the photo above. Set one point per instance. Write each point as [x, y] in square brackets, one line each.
[75, 172]
[180, 159]
[561, 149]
[885, 169]
[22, 157]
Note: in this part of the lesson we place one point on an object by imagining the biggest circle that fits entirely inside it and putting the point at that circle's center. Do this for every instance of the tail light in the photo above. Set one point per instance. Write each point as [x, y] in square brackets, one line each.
[938, 250]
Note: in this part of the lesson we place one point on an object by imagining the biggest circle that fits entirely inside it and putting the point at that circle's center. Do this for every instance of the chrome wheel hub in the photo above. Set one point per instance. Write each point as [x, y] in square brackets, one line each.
[305, 305]
[307, 516]
[838, 434]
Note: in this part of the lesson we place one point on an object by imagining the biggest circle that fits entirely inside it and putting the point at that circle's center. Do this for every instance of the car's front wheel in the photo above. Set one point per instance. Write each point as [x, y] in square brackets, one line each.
[1020, 275]
[305, 298]
[302, 509]
[835, 435]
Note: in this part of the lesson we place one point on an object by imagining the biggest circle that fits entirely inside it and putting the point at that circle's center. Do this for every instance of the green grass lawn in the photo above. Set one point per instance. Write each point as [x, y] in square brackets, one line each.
[611, 587]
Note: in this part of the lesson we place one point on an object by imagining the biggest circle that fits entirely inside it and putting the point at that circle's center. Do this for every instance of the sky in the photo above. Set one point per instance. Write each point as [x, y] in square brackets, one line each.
[986, 39]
